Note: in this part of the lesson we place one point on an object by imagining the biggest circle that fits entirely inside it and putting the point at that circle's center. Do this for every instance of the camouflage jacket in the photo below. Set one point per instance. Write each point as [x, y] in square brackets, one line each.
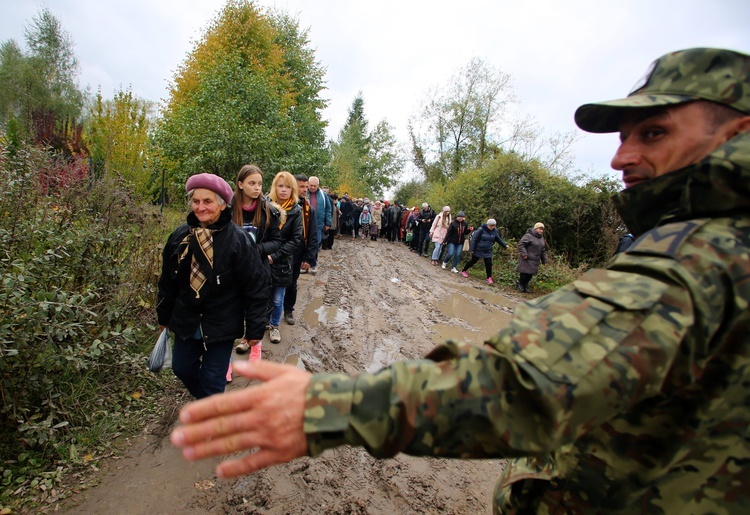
[625, 391]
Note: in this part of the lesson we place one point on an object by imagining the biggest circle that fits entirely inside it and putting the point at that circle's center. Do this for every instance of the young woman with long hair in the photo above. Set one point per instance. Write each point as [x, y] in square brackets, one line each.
[284, 194]
[255, 214]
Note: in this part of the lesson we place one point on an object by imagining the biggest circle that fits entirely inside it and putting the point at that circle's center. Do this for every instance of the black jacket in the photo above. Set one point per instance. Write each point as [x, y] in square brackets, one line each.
[269, 237]
[236, 290]
[291, 239]
[454, 229]
[425, 218]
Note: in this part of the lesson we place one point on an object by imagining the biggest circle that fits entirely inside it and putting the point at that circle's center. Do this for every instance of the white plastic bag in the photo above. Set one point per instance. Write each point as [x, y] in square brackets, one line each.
[161, 356]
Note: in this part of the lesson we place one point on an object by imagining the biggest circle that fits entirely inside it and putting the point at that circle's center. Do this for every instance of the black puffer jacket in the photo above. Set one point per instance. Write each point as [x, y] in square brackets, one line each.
[291, 239]
[234, 295]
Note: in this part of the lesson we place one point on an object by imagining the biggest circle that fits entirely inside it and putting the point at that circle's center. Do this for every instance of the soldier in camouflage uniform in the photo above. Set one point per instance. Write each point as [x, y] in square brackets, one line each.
[626, 391]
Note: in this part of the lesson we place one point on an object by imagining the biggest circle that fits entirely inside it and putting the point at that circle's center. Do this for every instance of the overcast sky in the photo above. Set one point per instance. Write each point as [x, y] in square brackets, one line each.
[560, 54]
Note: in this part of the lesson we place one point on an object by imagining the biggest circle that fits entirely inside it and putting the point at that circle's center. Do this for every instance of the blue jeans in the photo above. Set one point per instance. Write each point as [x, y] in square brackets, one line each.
[201, 368]
[454, 251]
[436, 252]
[278, 305]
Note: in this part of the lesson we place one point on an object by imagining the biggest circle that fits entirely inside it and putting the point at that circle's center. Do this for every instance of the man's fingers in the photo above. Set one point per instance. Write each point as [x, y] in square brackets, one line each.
[217, 405]
[218, 429]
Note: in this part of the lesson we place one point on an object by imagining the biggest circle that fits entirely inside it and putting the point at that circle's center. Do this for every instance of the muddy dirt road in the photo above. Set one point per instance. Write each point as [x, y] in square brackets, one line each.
[370, 303]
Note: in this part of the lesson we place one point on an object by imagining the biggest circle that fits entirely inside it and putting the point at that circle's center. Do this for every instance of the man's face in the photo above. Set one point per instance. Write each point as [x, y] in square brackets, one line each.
[302, 186]
[314, 184]
[661, 140]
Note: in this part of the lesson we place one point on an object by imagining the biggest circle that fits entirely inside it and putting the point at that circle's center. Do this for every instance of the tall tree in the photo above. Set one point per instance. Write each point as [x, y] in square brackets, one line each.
[39, 87]
[249, 92]
[365, 164]
[459, 121]
[52, 57]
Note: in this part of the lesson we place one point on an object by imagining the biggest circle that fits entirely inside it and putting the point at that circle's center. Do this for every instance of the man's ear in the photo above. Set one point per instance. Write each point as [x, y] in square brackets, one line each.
[740, 125]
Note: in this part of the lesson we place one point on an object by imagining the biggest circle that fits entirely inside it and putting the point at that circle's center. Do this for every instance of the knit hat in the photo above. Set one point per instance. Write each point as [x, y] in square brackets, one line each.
[491, 221]
[446, 208]
[539, 225]
[366, 209]
[211, 182]
[461, 214]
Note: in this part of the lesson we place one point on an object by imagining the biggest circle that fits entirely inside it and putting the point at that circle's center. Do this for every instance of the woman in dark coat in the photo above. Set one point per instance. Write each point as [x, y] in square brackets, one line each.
[284, 193]
[213, 288]
[481, 247]
[533, 251]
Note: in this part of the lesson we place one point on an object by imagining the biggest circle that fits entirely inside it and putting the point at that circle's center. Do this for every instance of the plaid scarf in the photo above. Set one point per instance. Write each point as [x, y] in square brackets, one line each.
[203, 242]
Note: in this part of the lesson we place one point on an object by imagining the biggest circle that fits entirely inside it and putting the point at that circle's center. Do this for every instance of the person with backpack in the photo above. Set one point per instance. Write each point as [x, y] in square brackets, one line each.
[481, 247]
[260, 219]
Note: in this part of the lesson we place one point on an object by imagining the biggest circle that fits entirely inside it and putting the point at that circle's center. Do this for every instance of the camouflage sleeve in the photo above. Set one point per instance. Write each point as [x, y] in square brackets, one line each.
[567, 362]
[537, 388]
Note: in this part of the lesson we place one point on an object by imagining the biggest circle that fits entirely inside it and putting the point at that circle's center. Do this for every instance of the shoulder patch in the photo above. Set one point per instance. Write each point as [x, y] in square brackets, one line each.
[666, 239]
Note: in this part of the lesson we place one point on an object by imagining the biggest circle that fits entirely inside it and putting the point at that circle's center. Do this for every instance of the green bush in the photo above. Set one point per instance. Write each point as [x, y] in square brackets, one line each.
[78, 273]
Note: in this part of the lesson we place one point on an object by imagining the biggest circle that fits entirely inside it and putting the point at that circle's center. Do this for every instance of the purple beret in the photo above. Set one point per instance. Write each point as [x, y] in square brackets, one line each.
[211, 182]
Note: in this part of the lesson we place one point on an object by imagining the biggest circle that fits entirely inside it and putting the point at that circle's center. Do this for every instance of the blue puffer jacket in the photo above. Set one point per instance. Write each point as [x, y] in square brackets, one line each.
[482, 241]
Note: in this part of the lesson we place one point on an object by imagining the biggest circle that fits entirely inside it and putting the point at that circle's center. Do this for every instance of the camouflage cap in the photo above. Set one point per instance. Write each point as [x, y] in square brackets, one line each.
[713, 74]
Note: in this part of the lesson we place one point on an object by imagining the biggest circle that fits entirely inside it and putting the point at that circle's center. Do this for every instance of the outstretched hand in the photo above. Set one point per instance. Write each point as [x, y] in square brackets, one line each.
[268, 416]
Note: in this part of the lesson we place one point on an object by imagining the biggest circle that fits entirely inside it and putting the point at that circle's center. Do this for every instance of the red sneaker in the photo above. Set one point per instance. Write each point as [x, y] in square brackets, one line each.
[255, 354]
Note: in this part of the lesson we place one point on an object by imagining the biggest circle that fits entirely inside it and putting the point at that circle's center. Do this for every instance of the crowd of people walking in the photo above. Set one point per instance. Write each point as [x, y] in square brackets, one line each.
[284, 231]
[450, 237]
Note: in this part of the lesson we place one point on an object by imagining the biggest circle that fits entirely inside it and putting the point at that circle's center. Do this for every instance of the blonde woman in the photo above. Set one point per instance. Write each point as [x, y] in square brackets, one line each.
[284, 195]
[438, 231]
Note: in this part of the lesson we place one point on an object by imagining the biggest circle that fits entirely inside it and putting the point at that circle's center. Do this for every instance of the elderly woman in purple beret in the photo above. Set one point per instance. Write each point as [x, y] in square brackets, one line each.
[213, 288]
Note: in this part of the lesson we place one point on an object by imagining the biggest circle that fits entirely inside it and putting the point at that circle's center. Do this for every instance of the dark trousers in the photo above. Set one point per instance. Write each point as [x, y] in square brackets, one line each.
[201, 368]
[290, 297]
[328, 240]
[414, 238]
[393, 232]
[424, 239]
[487, 264]
[524, 280]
